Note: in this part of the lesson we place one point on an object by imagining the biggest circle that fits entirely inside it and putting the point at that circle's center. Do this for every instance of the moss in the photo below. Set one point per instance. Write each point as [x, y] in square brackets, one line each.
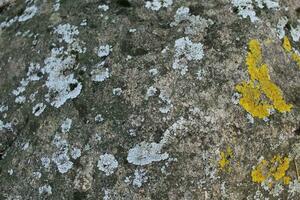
[260, 84]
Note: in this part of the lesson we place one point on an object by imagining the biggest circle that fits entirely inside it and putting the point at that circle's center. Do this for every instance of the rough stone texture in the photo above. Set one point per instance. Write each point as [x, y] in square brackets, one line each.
[184, 125]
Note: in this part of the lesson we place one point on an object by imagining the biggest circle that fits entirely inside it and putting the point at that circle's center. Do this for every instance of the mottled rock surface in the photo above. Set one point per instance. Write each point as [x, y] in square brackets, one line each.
[134, 99]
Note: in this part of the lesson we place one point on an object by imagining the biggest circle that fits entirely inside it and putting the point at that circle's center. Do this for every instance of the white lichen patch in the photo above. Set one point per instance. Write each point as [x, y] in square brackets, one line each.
[66, 125]
[4, 125]
[56, 5]
[103, 7]
[117, 91]
[75, 153]
[104, 50]
[99, 118]
[153, 72]
[185, 51]
[67, 32]
[280, 27]
[295, 32]
[28, 13]
[61, 158]
[196, 24]
[294, 188]
[63, 86]
[3, 108]
[151, 91]
[45, 189]
[146, 153]
[45, 162]
[37, 175]
[246, 7]
[156, 5]
[107, 163]
[100, 74]
[139, 178]
[38, 109]
[10, 172]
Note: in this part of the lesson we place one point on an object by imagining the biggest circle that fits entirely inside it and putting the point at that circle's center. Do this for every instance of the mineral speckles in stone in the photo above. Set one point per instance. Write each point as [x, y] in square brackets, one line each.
[146, 153]
[66, 125]
[107, 163]
[185, 51]
[38, 109]
[158, 4]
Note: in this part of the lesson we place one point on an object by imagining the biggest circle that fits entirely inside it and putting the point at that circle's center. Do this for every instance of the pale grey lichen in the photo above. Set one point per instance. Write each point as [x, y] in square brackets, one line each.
[158, 4]
[295, 32]
[61, 158]
[117, 91]
[103, 7]
[67, 32]
[139, 178]
[196, 24]
[45, 189]
[185, 51]
[280, 27]
[107, 163]
[145, 153]
[104, 50]
[75, 153]
[66, 125]
[38, 109]
[99, 118]
[246, 7]
[45, 162]
[151, 91]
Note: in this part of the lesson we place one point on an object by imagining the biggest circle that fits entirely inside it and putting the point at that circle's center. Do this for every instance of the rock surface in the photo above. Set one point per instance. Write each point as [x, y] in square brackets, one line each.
[133, 99]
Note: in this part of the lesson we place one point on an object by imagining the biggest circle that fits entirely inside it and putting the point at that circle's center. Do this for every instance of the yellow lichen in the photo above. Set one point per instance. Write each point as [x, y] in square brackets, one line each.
[274, 170]
[257, 174]
[289, 49]
[225, 156]
[287, 44]
[260, 85]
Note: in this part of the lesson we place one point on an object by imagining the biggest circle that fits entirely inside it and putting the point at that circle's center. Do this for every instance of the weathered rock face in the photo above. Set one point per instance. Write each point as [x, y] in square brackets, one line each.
[161, 99]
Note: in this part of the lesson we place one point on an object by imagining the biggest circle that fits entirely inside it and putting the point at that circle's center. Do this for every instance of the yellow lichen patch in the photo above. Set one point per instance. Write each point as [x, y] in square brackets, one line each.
[289, 49]
[273, 170]
[225, 158]
[287, 44]
[257, 174]
[260, 85]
